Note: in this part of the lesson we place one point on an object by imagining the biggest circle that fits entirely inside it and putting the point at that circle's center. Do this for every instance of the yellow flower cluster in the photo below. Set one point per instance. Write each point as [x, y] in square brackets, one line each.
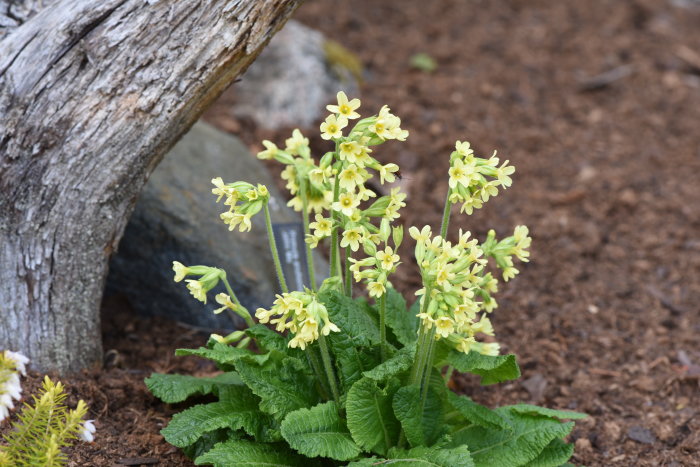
[503, 251]
[469, 184]
[380, 264]
[300, 312]
[209, 278]
[453, 277]
[244, 201]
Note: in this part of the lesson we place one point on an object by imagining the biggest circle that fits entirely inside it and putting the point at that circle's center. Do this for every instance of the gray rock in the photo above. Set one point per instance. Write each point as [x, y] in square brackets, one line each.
[641, 435]
[176, 219]
[292, 80]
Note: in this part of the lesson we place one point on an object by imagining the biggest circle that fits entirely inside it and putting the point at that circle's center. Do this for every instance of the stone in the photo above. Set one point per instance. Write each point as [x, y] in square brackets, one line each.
[176, 219]
[294, 78]
[641, 435]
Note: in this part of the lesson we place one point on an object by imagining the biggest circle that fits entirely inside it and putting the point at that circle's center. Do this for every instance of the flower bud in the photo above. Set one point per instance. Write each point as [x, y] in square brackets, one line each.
[397, 235]
[385, 229]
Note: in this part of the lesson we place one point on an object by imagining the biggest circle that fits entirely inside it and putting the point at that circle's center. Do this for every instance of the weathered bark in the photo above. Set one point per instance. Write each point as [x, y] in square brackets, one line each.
[92, 95]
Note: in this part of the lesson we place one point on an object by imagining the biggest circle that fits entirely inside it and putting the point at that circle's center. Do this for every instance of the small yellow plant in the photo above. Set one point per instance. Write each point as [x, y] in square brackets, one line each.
[43, 428]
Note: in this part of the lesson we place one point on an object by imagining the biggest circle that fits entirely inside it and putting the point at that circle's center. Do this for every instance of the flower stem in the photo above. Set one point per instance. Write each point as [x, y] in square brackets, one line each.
[335, 255]
[241, 310]
[273, 250]
[382, 325]
[348, 276]
[330, 374]
[305, 218]
[316, 366]
[446, 215]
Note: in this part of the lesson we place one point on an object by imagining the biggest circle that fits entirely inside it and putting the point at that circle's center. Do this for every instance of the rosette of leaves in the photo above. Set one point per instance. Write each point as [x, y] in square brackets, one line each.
[266, 408]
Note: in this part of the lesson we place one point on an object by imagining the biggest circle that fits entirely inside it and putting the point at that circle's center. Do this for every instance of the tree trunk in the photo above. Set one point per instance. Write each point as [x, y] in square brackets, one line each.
[92, 95]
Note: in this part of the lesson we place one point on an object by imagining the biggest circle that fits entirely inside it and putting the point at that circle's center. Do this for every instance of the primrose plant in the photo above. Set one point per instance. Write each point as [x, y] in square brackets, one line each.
[348, 380]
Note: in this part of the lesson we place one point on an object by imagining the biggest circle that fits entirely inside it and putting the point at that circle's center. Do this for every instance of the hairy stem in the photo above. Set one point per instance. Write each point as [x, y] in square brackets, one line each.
[273, 250]
[382, 325]
[305, 218]
[348, 276]
[330, 374]
[240, 309]
[446, 215]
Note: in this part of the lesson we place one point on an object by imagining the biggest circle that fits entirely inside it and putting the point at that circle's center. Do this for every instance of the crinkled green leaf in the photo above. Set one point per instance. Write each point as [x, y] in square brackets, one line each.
[249, 454]
[319, 431]
[235, 412]
[370, 416]
[529, 436]
[476, 413]
[222, 354]
[208, 440]
[527, 409]
[351, 318]
[177, 388]
[283, 384]
[554, 455]
[351, 361]
[491, 369]
[267, 339]
[421, 457]
[422, 421]
[402, 322]
[400, 362]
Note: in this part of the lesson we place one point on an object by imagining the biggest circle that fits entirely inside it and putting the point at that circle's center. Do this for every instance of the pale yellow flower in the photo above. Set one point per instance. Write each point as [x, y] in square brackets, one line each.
[333, 127]
[464, 148]
[180, 271]
[386, 173]
[270, 150]
[444, 326]
[350, 177]
[352, 238]
[461, 173]
[349, 150]
[387, 258]
[225, 300]
[345, 108]
[376, 289]
[347, 202]
[322, 227]
[296, 142]
[196, 288]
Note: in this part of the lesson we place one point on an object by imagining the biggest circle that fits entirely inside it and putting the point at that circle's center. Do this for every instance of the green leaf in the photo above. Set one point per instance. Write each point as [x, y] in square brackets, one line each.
[222, 354]
[422, 422]
[247, 453]
[506, 448]
[319, 431]
[267, 339]
[403, 323]
[283, 384]
[177, 388]
[399, 363]
[370, 416]
[491, 369]
[421, 457]
[527, 409]
[351, 318]
[351, 361]
[238, 410]
[208, 440]
[423, 62]
[477, 414]
[554, 455]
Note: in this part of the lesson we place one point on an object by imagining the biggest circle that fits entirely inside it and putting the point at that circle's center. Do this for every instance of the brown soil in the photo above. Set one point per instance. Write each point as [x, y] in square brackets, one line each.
[605, 319]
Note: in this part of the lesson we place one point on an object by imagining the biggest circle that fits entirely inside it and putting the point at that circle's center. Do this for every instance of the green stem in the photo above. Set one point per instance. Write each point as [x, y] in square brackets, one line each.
[273, 250]
[334, 217]
[446, 215]
[348, 276]
[309, 255]
[382, 325]
[318, 370]
[330, 374]
[428, 367]
[241, 310]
